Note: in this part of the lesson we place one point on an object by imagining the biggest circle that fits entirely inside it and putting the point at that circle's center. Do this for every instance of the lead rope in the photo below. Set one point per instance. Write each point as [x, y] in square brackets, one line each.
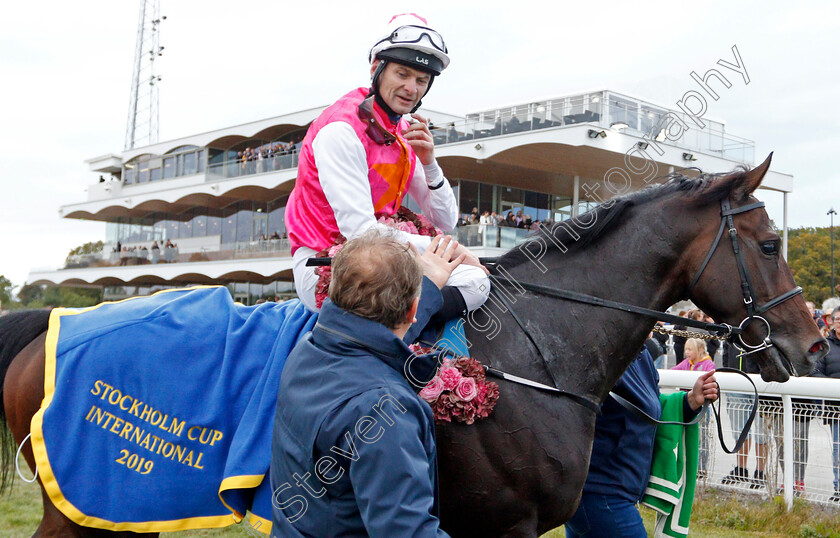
[17, 462]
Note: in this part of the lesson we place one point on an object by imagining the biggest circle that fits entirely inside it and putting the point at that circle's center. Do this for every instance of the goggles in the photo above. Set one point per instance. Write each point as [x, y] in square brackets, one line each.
[414, 34]
[375, 130]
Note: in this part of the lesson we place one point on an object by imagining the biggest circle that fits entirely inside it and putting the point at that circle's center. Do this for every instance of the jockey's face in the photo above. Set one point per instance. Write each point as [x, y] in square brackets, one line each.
[401, 87]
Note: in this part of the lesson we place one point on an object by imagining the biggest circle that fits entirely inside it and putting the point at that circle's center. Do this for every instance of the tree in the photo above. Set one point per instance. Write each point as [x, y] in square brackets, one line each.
[32, 296]
[91, 247]
[6, 287]
[809, 258]
[81, 256]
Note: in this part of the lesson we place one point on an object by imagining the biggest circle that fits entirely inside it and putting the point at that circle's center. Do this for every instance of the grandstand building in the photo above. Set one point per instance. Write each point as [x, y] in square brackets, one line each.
[219, 197]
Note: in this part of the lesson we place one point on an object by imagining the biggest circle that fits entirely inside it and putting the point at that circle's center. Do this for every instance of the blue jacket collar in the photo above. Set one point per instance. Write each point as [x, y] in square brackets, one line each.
[340, 331]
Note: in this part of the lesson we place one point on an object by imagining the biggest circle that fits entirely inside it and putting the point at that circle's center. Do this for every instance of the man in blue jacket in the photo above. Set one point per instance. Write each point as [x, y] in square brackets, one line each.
[353, 452]
[622, 453]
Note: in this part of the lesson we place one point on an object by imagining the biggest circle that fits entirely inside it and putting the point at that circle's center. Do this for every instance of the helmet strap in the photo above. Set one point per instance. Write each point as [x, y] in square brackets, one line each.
[420, 102]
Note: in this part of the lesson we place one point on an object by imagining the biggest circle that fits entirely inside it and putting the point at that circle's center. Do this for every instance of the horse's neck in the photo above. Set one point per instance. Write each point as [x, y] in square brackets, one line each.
[633, 264]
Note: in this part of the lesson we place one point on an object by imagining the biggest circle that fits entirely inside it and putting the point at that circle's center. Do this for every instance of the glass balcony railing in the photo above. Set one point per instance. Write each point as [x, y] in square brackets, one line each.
[271, 248]
[604, 109]
[233, 169]
[486, 236]
[472, 236]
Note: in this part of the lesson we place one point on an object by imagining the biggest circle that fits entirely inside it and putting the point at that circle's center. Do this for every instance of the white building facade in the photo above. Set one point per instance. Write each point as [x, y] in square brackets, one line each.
[219, 197]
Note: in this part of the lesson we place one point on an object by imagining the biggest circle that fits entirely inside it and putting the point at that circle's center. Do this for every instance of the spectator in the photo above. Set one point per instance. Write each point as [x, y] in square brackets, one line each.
[697, 359]
[826, 317]
[656, 350]
[829, 366]
[817, 319]
[474, 217]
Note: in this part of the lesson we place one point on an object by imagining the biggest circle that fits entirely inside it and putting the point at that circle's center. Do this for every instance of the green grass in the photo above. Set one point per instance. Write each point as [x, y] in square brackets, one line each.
[716, 514]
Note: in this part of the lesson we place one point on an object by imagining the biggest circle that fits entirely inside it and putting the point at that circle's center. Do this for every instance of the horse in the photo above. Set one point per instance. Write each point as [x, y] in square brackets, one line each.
[520, 472]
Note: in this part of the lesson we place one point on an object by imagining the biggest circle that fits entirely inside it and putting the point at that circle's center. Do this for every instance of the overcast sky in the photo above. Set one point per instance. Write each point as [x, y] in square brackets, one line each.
[66, 75]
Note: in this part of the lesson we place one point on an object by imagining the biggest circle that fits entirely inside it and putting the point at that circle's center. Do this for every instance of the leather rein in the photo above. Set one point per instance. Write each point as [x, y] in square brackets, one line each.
[725, 331]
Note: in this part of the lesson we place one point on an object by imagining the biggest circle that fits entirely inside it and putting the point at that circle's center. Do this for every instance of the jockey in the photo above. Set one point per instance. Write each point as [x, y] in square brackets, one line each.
[360, 157]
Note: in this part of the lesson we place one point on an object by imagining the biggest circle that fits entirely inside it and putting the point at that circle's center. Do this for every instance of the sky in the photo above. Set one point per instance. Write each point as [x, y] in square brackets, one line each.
[66, 75]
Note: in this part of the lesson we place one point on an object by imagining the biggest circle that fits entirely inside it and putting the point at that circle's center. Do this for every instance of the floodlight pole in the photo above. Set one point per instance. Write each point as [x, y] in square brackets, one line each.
[831, 214]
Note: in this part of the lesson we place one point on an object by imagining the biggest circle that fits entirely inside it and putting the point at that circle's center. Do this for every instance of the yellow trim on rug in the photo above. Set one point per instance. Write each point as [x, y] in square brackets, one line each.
[39, 449]
[264, 525]
[238, 482]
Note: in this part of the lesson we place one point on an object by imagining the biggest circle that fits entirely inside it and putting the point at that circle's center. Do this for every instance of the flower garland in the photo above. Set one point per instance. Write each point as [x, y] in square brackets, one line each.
[459, 392]
[404, 220]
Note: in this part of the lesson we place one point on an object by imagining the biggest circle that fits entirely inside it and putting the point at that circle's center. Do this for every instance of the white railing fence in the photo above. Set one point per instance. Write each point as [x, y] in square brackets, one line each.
[798, 422]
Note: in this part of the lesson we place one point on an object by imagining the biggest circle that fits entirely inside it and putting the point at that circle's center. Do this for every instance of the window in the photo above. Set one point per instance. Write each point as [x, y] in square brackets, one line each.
[190, 163]
[128, 174]
[169, 168]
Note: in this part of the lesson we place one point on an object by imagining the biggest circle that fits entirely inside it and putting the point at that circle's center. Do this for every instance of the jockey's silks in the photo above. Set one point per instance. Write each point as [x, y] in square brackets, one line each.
[310, 220]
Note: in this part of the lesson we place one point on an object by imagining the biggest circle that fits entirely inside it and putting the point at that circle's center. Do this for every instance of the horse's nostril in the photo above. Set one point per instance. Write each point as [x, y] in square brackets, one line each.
[817, 347]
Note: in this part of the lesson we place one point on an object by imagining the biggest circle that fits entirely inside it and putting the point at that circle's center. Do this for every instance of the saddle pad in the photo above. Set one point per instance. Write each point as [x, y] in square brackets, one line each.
[158, 411]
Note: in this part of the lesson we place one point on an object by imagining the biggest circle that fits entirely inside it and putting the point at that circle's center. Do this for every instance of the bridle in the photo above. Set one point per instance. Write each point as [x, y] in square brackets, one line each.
[753, 312]
[726, 332]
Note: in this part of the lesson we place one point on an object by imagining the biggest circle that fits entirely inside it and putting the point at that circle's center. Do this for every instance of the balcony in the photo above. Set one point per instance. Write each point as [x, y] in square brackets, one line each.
[271, 248]
[603, 109]
[476, 236]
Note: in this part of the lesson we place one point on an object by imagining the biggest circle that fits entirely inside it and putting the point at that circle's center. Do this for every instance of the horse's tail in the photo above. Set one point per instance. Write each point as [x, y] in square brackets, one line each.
[17, 330]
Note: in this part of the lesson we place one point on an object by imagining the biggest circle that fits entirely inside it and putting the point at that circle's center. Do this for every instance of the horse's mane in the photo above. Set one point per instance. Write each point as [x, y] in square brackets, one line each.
[581, 231]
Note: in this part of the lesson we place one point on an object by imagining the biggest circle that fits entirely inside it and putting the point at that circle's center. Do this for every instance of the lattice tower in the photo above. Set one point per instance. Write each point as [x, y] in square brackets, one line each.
[142, 125]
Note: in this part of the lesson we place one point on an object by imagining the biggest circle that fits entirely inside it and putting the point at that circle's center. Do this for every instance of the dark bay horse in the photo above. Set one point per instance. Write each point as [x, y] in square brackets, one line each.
[521, 471]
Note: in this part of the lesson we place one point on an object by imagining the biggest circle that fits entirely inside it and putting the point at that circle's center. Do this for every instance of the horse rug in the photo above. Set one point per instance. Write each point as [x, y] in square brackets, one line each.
[158, 411]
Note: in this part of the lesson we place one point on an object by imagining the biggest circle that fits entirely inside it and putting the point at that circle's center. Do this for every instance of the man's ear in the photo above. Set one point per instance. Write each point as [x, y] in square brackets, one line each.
[373, 67]
[410, 317]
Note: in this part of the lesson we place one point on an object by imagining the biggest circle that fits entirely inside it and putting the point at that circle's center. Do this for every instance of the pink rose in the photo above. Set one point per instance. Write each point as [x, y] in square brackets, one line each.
[450, 376]
[407, 227]
[481, 393]
[466, 389]
[432, 389]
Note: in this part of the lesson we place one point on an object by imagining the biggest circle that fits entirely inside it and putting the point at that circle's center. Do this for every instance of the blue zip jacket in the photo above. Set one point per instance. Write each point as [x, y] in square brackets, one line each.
[622, 451]
[353, 451]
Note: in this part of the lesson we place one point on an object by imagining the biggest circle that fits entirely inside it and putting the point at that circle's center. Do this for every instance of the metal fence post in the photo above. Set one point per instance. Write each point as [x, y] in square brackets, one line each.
[787, 451]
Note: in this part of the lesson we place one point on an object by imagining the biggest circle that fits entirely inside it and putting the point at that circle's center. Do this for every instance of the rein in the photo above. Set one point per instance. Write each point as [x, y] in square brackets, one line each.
[725, 331]
[716, 410]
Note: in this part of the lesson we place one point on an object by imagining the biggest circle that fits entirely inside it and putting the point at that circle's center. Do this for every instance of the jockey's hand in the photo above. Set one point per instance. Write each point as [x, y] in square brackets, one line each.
[420, 138]
[438, 261]
[705, 388]
[471, 259]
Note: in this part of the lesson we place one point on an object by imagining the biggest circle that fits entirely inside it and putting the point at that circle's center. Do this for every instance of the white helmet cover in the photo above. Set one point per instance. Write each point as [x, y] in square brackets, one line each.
[409, 40]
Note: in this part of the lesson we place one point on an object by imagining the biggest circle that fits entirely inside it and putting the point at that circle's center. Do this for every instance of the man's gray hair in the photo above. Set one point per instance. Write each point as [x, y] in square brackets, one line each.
[376, 276]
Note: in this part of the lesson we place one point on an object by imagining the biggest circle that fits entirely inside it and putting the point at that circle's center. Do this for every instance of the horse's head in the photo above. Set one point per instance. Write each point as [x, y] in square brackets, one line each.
[756, 288]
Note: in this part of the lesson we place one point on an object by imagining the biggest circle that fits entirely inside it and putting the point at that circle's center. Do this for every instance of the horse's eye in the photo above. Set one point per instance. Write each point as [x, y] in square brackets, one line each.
[770, 247]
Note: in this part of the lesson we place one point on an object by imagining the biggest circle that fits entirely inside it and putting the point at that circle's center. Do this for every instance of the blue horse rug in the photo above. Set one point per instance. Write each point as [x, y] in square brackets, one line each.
[157, 413]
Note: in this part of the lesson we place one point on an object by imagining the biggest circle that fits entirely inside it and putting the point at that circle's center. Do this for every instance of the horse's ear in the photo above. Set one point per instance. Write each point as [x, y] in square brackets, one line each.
[751, 180]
